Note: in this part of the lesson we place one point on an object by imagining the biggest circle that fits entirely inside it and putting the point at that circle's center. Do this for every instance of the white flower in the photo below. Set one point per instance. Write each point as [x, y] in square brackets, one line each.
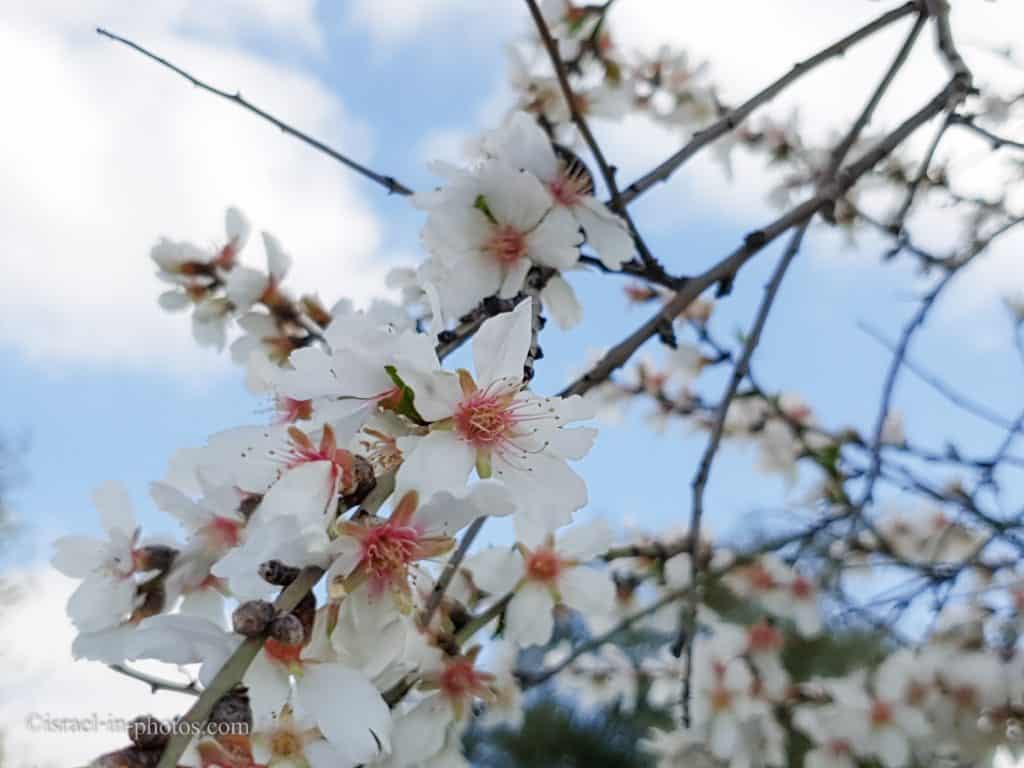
[106, 596]
[246, 286]
[501, 429]
[489, 228]
[521, 143]
[346, 707]
[286, 741]
[544, 573]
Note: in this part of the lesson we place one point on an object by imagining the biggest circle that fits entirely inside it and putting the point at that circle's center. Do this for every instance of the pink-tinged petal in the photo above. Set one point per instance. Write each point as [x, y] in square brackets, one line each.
[587, 590]
[560, 300]
[501, 345]
[528, 618]
[349, 711]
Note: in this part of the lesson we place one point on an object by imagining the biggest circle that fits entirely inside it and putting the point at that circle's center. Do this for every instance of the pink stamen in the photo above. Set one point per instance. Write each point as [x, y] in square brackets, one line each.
[507, 245]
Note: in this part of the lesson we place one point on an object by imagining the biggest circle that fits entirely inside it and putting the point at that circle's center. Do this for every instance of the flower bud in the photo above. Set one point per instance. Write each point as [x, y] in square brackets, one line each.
[129, 757]
[147, 732]
[364, 482]
[155, 558]
[288, 630]
[233, 707]
[251, 618]
[277, 573]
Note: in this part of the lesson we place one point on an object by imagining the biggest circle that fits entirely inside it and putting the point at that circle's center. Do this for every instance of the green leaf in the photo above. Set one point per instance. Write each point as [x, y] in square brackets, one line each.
[404, 404]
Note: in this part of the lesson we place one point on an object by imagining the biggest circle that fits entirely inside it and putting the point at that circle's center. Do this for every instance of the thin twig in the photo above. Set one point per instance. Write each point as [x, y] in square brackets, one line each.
[922, 173]
[450, 569]
[997, 142]
[233, 670]
[734, 117]
[391, 184]
[157, 683]
[700, 480]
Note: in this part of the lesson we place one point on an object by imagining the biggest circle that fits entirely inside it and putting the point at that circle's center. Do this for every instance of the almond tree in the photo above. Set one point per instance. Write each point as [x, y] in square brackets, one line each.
[369, 628]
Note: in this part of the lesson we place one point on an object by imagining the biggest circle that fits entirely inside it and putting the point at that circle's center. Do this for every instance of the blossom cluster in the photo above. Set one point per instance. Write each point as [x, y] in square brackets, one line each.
[367, 624]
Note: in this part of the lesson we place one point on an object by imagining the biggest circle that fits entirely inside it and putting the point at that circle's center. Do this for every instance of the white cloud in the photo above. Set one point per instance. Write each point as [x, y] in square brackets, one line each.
[396, 21]
[104, 152]
[41, 679]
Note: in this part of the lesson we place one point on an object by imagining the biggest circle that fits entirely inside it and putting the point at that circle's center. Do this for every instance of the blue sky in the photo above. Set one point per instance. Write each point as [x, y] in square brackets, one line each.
[94, 420]
[107, 152]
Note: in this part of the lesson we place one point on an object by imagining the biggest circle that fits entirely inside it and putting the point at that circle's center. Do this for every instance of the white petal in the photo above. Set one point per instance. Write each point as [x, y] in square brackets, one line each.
[268, 686]
[78, 556]
[501, 345]
[438, 462]
[435, 393]
[349, 711]
[585, 541]
[606, 233]
[278, 262]
[303, 492]
[245, 286]
[555, 242]
[496, 569]
[115, 508]
[588, 590]
[237, 227]
[168, 498]
[560, 300]
[420, 733]
[528, 618]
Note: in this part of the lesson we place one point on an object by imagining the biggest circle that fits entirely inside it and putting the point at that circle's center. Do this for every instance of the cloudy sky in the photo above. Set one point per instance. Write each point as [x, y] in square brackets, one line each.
[103, 152]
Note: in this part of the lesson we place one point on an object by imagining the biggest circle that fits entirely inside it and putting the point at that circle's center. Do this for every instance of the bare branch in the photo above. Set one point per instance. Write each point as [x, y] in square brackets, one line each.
[157, 683]
[726, 269]
[700, 480]
[233, 670]
[997, 142]
[734, 117]
[389, 183]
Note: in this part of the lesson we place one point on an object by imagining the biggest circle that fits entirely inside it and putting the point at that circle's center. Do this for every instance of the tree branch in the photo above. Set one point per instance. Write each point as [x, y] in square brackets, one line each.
[233, 670]
[755, 241]
[157, 683]
[734, 117]
[392, 185]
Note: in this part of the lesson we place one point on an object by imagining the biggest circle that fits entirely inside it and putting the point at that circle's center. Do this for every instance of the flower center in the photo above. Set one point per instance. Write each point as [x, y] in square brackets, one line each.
[223, 533]
[284, 654]
[460, 680]
[286, 744]
[543, 565]
[802, 588]
[483, 419]
[721, 699]
[881, 713]
[763, 637]
[387, 550]
[290, 410]
[507, 244]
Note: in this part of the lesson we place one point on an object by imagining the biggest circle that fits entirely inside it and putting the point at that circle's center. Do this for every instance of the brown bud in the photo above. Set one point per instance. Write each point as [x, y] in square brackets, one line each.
[305, 612]
[233, 707]
[147, 732]
[153, 598]
[155, 558]
[363, 484]
[251, 618]
[277, 573]
[288, 630]
[248, 505]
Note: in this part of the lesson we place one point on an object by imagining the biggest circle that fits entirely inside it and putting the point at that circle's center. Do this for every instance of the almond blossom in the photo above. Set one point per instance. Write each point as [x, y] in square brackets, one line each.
[498, 427]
